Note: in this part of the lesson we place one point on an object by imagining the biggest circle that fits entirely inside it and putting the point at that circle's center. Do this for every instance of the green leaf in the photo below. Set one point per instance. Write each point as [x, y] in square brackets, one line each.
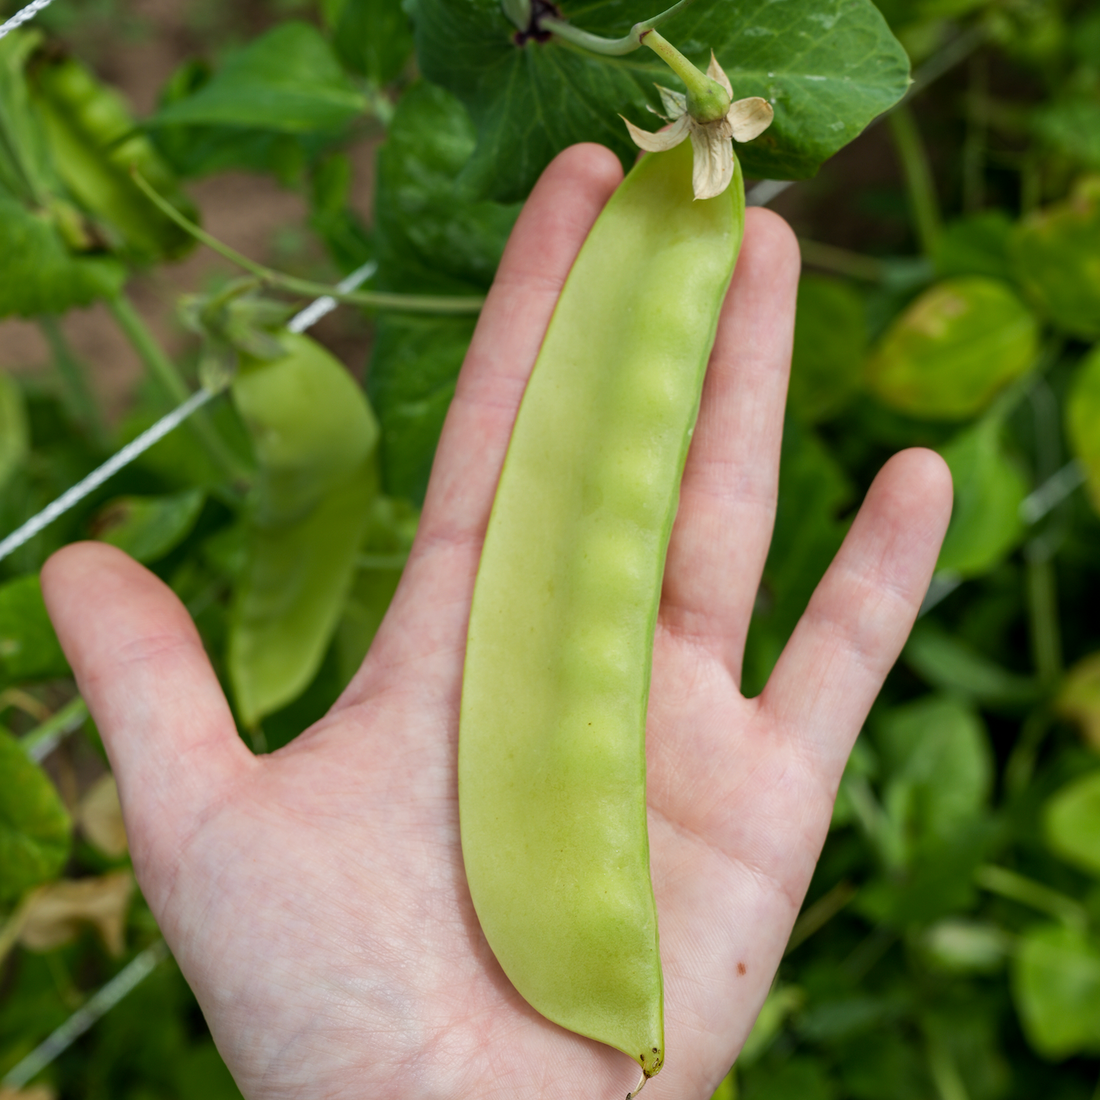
[1071, 126]
[414, 364]
[781, 1002]
[989, 489]
[799, 1077]
[951, 664]
[287, 81]
[1056, 988]
[40, 274]
[1078, 698]
[1071, 820]
[1054, 252]
[371, 37]
[883, 1065]
[827, 66]
[94, 146]
[198, 150]
[147, 528]
[950, 352]
[201, 1072]
[14, 430]
[29, 649]
[830, 343]
[348, 240]
[808, 532]
[431, 238]
[976, 245]
[35, 830]
[1083, 421]
[939, 765]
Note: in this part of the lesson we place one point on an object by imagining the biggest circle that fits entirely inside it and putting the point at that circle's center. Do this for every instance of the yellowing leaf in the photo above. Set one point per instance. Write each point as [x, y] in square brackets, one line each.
[1083, 421]
[953, 349]
[1078, 698]
[99, 816]
[57, 912]
[1072, 823]
[35, 1092]
[1056, 255]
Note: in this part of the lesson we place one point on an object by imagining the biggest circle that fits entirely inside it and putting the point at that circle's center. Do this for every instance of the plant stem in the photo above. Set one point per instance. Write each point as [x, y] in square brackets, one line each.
[164, 372]
[918, 176]
[409, 303]
[977, 135]
[945, 1071]
[74, 379]
[819, 914]
[40, 742]
[840, 260]
[608, 47]
[1008, 884]
[1021, 761]
[1042, 608]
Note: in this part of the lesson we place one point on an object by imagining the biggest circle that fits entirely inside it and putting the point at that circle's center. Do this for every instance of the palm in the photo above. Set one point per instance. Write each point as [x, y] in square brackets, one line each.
[315, 898]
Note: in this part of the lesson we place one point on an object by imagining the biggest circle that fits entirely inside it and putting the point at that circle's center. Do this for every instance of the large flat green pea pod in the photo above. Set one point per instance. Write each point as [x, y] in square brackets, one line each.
[552, 732]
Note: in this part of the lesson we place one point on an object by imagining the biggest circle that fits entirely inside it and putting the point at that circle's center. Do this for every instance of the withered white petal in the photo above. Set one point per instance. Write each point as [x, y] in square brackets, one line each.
[712, 159]
[674, 103]
[749, 118]
[716, 72]
[663, 139]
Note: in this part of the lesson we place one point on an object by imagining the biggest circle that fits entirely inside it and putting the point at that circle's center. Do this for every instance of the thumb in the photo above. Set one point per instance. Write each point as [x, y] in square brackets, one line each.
[141, 668]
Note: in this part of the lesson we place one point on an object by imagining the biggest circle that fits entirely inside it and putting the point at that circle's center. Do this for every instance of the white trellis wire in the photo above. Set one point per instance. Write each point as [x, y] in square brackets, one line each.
[101, 1002]
[22, 16]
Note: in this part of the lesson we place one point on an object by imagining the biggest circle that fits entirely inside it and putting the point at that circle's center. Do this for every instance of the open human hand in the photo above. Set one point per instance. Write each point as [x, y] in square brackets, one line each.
[315, 898]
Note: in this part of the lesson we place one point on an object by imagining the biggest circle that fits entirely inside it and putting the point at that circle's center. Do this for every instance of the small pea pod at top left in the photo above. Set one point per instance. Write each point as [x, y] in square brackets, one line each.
[94, 141]
[315, 442]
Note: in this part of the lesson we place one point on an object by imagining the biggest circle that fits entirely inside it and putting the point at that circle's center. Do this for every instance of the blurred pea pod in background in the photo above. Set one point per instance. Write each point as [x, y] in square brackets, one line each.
[315, 440]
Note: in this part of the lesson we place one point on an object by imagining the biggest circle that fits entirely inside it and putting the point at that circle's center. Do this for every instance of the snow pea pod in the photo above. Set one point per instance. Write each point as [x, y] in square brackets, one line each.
[551, 755]
[314, 437]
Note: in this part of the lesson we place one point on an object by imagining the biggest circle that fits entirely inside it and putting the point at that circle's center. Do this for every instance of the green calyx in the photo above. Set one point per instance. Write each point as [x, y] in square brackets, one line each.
[707, 100]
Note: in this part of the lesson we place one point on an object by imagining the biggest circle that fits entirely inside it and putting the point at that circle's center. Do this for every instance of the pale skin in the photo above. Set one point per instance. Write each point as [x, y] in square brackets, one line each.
[314, 898]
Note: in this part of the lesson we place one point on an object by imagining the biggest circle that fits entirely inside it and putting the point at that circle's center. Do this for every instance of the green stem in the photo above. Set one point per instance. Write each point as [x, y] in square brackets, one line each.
[1042, 608]
[708, 101]
[840, 260]
[1026, 891]
[63, 721]
[608, 47]
[1021, 761]
[409, 303]
[918, 176]
[977, 136]
[1031, 184]
[819, 914]
[164, 372]
[74, 379]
